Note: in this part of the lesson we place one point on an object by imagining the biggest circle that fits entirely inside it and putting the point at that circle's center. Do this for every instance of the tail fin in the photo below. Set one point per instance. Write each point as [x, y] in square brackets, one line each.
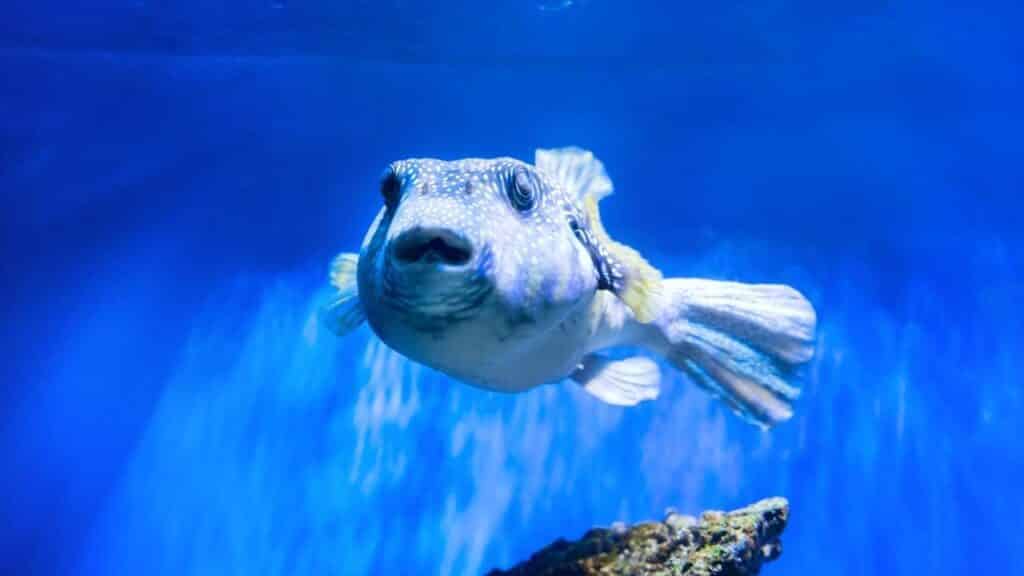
[741, 342]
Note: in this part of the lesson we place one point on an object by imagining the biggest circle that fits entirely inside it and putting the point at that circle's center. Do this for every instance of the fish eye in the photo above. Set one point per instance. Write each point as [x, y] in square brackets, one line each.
[523, 192]
[390, 187]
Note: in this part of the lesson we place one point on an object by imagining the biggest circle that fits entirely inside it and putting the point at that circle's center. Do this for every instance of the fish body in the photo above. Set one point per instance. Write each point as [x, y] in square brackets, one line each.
[500, 274]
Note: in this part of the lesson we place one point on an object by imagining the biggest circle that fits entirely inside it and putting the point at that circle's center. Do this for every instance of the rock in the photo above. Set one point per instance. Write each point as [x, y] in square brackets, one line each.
[618, 528]
[680, 521]
[718, 544]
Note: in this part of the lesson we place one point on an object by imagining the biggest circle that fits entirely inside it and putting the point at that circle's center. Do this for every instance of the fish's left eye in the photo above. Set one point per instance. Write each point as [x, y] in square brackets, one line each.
[523, 192]
[390, 188]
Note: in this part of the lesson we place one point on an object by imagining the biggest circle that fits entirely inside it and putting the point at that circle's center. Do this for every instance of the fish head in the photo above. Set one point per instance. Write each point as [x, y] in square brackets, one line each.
[473, 241]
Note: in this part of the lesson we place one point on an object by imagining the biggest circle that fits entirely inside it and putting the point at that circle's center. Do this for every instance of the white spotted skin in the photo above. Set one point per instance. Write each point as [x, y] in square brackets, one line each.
[521, 312]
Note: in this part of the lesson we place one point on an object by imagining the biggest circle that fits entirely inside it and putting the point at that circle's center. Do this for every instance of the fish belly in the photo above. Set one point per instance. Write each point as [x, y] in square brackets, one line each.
[486, 354]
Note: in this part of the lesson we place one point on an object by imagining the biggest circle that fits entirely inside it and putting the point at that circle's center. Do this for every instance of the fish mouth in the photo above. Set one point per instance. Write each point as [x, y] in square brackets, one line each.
[432, 246]
[429, 295]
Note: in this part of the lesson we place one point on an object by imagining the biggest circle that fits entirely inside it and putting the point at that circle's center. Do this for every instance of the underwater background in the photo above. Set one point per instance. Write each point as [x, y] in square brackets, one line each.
[178, 176]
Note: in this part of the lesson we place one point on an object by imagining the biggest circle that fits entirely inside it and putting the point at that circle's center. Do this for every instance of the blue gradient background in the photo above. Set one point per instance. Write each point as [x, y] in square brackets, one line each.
[176, 179]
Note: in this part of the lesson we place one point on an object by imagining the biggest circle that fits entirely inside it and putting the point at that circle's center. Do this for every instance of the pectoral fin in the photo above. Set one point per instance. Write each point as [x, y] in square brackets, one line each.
[625, 382]
[623, 270]
[345, 312]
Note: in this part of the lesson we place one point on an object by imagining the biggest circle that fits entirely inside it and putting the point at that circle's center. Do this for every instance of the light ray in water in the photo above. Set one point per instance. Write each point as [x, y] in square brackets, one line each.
[278, 448]
[269, 448]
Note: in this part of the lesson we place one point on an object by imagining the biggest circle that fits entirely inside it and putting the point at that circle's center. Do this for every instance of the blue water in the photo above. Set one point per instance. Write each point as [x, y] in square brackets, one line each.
[177, 178]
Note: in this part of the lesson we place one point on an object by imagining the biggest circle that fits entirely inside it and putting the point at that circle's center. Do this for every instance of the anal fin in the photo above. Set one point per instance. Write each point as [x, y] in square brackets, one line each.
[625, 382]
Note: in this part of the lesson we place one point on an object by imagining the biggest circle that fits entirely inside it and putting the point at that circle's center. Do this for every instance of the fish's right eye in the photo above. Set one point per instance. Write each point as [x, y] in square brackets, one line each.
[523, 192]
[390, 188]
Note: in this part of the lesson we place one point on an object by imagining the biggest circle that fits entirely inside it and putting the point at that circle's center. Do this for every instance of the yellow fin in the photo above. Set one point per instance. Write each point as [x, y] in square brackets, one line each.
[344, 312]
[642, 287]
[343, 272]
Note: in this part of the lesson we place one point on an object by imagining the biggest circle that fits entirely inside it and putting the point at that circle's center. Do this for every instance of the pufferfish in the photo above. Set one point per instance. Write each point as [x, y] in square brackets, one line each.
[500, 274]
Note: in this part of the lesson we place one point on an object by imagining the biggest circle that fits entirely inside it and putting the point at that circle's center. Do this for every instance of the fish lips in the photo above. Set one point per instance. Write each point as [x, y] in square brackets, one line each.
[430, 287]
[431, 248]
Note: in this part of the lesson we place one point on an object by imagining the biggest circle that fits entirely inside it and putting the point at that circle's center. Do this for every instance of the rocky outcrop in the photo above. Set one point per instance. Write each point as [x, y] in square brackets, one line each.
[718, 543]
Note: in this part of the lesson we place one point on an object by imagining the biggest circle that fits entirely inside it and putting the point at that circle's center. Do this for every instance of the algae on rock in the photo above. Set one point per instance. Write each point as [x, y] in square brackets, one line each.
[718, 543]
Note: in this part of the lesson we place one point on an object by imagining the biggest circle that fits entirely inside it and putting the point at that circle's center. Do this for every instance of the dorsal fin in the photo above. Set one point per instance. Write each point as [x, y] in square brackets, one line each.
[583, 178]
[576, 170]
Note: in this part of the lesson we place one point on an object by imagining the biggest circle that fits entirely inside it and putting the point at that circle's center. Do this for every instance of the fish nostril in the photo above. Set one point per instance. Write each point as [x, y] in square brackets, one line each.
[431, 248]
